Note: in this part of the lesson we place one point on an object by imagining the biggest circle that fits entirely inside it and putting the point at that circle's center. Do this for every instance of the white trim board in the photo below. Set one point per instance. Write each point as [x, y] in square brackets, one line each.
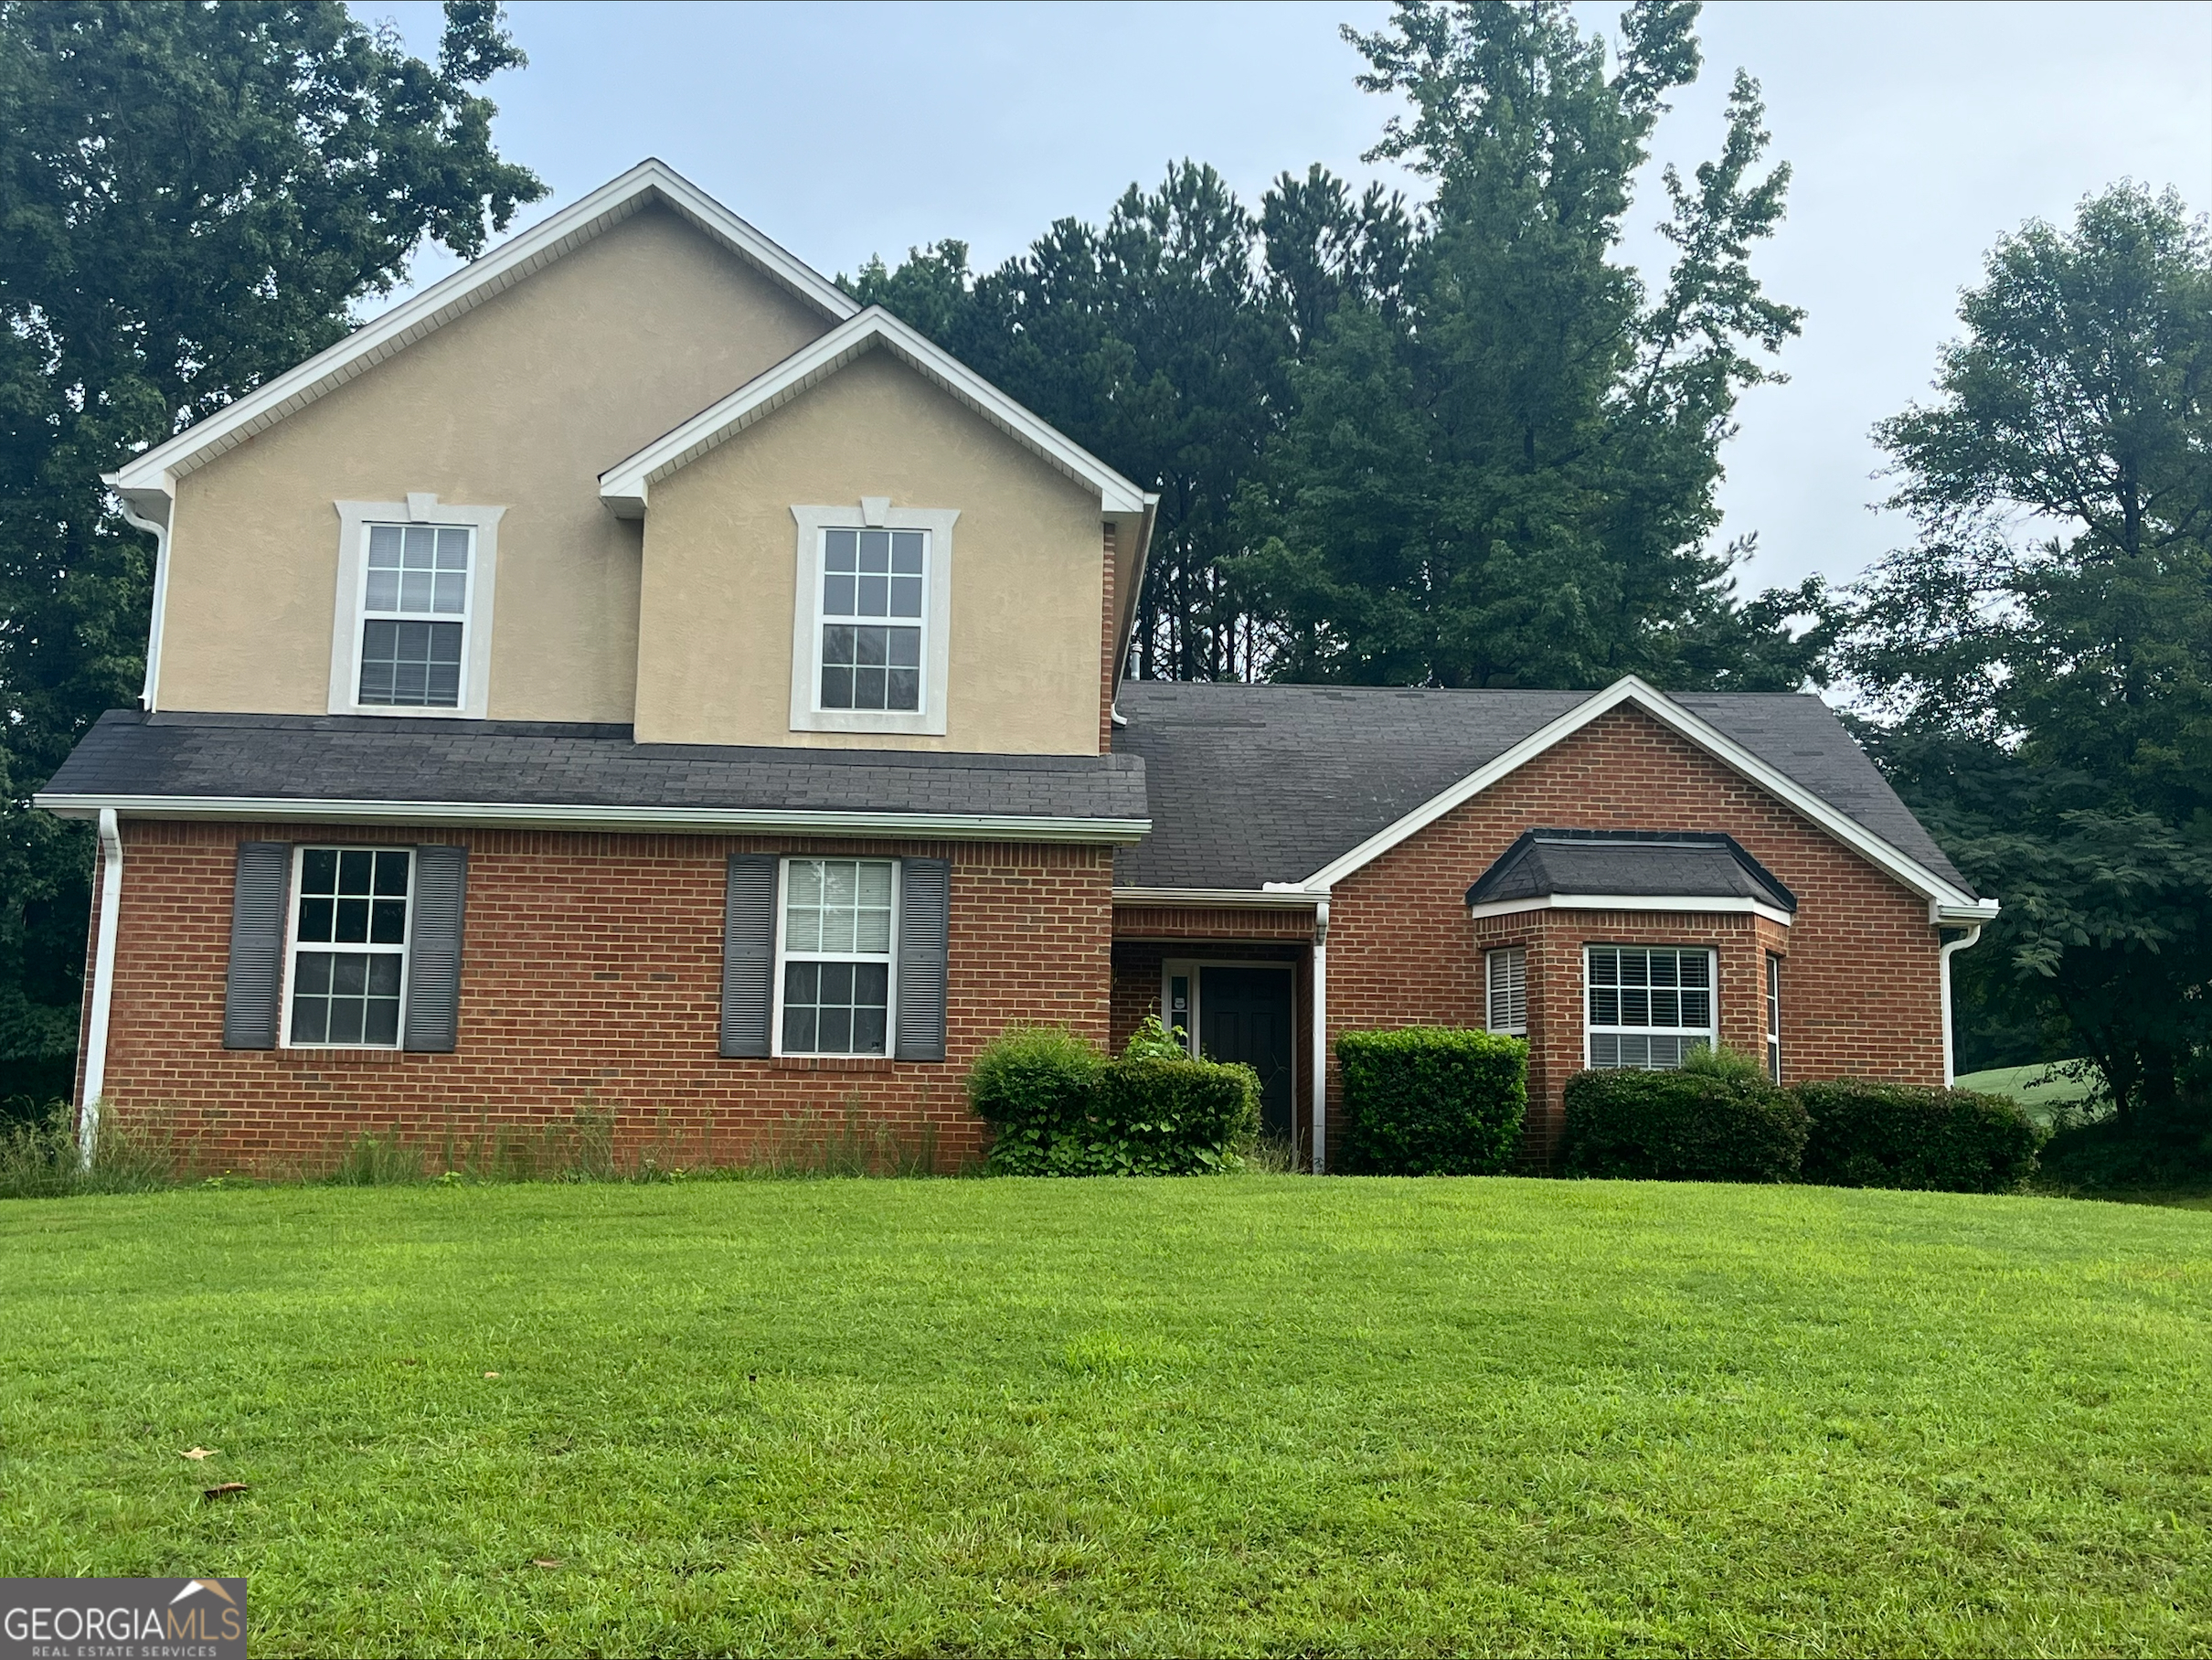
[1216, 898]
[1727, 905]
[627, 485]
[650, 181]
[692, 820]
[1947, 900]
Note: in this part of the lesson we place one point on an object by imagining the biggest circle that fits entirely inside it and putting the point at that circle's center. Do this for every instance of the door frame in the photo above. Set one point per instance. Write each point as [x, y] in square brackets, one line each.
[1191, 966]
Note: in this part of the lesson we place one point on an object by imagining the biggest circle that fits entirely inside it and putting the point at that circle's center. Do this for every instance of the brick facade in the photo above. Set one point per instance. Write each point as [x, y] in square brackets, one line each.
[1861, 981]
[592, 979]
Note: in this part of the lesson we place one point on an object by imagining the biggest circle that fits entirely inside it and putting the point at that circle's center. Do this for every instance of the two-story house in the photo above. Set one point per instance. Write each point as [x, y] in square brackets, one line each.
[631, 674]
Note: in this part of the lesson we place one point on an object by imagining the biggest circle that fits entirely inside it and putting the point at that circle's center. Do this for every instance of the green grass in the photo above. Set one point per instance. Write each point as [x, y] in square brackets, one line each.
[2040, 1087]
[1261, 1414]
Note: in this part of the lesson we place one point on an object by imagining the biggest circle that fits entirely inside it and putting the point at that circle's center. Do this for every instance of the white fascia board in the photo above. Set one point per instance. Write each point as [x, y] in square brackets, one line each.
[1219, 897]
[651, 181]
[627, 485]
[1730, 905]
[1855, 836]
[691, 820]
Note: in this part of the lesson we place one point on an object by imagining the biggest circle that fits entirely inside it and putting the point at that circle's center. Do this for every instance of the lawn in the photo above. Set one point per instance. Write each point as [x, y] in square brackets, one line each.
[1224, 1415]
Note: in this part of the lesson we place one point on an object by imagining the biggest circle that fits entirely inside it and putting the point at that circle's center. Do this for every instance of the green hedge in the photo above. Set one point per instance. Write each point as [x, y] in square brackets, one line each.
[1893, 1135]
[1683, 1126]
[1058, 1107]
[1431, 1101]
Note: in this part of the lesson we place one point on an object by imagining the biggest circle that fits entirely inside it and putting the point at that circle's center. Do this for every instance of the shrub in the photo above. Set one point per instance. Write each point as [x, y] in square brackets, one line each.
[1893, 1135]
[1431, 1101]
[1057, 1107]
[1683, 1127]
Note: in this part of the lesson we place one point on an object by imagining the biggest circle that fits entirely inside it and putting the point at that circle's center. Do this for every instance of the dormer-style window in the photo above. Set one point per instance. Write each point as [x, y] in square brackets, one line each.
[411, 633]
[874, 602]
[873, 643]
[414, 616]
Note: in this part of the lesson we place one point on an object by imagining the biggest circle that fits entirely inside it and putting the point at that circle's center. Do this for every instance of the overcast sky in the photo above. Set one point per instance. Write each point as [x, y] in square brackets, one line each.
[1918, 134]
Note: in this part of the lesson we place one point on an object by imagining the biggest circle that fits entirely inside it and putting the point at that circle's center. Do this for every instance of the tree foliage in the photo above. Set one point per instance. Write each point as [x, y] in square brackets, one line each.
[1457, 445]
[2041, 661]
[192, 198]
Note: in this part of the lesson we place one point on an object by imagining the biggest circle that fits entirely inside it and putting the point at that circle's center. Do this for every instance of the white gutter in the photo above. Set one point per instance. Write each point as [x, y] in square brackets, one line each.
[1294, 899]
[1944, 957]
[1321, 1034]
[103, 987]
[697, 821]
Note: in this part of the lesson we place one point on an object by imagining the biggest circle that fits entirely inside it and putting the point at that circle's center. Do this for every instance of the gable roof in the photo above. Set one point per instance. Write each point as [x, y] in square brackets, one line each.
[147, 482]
[1300, 785]
[1632, 863]
[625, 485]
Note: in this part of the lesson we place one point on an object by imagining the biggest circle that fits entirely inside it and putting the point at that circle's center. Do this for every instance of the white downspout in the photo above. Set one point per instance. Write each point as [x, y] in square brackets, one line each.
[1944, 956]
[160, 533]
[103, 986]
[1321, 1034]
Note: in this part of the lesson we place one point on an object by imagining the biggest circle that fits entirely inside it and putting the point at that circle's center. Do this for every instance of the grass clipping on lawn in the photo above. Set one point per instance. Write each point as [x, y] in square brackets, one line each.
[1263, 1415]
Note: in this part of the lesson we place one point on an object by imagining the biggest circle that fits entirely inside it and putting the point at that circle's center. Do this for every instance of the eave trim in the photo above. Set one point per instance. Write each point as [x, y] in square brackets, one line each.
[1216, 898]
[1727, 905]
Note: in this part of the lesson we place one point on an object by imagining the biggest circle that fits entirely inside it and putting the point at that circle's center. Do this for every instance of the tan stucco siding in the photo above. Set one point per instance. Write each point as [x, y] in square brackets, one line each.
[520, 403]
[720, 564]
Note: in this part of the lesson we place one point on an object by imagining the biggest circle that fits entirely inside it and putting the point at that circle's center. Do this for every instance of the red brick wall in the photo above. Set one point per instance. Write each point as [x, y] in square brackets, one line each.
[591, 978]
[1861, 987]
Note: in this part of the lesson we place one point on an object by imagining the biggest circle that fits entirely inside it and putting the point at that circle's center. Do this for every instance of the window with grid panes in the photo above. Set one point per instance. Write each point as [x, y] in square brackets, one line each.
[1648, 1006]
[1507, 972]
[414, 614]
[873, 587]
[1774, 1017]
[836, 956]
[349, 945]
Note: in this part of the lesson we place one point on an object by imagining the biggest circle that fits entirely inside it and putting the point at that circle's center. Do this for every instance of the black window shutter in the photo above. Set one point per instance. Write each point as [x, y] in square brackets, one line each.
[749, 953]
[925, 896]
[433, 949]
[255, 983]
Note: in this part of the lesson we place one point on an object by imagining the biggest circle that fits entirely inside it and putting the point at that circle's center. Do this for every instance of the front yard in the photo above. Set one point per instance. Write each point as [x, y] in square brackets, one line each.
[1240, 1414]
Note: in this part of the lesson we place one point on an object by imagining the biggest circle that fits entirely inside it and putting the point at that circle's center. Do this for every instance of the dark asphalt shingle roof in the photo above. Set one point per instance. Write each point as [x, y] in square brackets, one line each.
[1268, 783]
[363, 758]
[1643, 863]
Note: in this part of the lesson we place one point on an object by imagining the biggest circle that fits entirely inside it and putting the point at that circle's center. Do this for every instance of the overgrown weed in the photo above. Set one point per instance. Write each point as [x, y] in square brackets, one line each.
[40, 1158]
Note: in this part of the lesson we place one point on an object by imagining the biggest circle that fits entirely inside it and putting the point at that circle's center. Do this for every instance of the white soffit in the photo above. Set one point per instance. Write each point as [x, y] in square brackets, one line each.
[1947, 901]
[650, 181]
[1710, 905]
[625, 485]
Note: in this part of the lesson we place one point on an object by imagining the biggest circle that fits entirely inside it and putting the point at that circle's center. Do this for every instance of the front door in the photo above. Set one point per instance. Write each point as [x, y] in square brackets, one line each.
[1245, 1014]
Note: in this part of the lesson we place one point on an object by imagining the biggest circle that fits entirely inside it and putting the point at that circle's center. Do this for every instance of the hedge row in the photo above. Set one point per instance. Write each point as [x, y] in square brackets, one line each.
[1431, 1101]
[1727, 1124]
[1058, 1107]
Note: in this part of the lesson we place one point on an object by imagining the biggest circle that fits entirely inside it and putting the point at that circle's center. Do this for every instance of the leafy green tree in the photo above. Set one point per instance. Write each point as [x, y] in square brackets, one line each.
[1501, 472]
[191, 200]
[2041, 661]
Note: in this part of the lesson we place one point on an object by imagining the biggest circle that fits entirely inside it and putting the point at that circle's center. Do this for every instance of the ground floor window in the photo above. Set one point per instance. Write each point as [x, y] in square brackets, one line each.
[1506, 971]
[349, 927]
[1774, 1016]
[1648, 1006]
[834, 956]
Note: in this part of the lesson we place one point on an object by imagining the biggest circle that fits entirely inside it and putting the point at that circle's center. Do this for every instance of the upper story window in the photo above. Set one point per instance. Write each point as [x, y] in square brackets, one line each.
[348, 952]
[411, 633]
[414, 616]
[872, 622]
[1649, 1005]
[874, 584]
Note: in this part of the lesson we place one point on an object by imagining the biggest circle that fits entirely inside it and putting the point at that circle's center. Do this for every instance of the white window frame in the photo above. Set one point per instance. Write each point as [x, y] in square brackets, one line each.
[890, 1018]
[420, 508]
[1515, 956]
[1774, 1016]
[293, 945]
[1710, 1032]
[872, 512]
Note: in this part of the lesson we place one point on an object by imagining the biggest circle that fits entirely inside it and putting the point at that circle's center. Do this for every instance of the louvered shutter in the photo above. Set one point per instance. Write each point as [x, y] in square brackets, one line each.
[749, 953]
[433, 949]
[255, 986]
[925, 892]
